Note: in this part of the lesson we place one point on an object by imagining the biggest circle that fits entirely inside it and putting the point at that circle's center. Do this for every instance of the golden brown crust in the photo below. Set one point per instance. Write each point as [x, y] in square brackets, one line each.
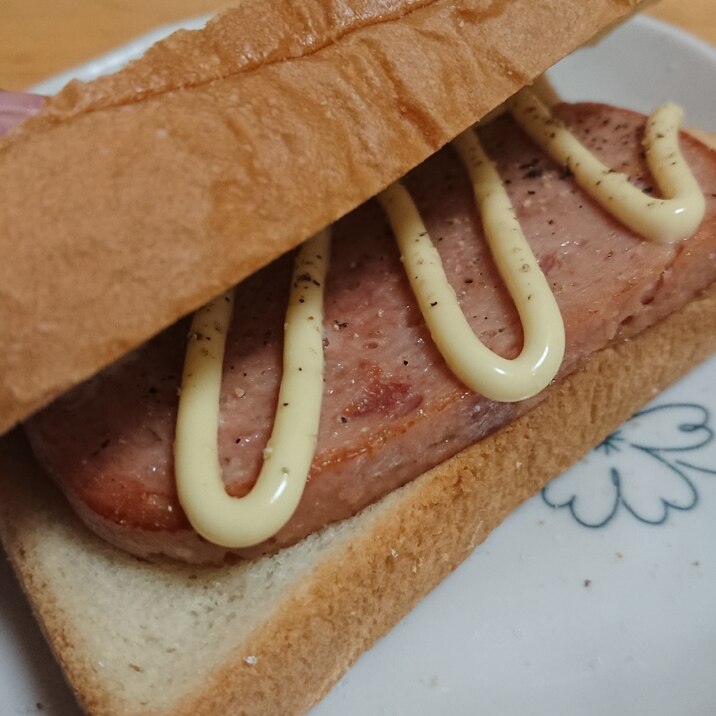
[349, 586]
[189, 185]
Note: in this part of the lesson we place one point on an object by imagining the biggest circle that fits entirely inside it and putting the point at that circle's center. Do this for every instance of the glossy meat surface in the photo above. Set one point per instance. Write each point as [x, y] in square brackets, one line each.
[391, 408]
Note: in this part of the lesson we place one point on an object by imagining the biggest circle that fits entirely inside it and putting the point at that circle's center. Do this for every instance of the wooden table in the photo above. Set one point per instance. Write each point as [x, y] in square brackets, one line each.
[41, 37]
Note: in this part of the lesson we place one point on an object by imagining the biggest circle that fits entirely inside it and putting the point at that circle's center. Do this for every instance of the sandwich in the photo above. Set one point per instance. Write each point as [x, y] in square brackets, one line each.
[337, 590]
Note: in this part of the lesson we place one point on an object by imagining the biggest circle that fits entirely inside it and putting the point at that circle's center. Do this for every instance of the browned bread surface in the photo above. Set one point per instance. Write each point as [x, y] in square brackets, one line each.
[272, 636]
[130, 201]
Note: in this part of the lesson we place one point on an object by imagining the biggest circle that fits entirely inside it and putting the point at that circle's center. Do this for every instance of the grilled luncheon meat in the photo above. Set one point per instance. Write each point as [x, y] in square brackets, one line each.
[391, 409]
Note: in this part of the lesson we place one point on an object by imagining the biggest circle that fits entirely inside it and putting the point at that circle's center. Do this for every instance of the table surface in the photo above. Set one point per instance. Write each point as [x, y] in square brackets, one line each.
[41, 37]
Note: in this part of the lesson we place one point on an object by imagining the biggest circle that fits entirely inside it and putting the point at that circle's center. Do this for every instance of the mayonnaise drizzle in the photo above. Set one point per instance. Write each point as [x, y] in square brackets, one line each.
[664, 220]
[470, 360]
[241, 522]
[214, 514]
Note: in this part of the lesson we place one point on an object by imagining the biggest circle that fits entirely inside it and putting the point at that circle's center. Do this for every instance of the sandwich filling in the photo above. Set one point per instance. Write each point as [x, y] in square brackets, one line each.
[392, 406]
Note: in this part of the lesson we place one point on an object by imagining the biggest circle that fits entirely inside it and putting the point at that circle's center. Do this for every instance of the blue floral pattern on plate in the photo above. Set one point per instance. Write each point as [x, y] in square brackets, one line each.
[646, 468]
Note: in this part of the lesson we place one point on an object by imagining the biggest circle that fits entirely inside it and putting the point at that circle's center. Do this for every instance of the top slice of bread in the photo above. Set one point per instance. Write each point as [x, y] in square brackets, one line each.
[130, 201]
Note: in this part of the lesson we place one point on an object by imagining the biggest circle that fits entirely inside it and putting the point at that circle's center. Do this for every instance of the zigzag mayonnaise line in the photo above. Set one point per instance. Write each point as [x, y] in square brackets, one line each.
[470, 360]
[664, 220]
[242, 522]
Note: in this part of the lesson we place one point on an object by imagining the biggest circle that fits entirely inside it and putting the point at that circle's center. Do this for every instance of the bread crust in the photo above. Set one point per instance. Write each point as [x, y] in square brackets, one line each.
[335, 593]
[216, 145]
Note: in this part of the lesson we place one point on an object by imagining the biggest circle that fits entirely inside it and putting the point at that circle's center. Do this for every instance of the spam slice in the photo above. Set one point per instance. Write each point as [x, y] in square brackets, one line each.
[392, 409]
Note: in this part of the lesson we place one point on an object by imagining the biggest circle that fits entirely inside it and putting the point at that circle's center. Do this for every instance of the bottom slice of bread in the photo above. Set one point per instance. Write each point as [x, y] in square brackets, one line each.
[272, 636]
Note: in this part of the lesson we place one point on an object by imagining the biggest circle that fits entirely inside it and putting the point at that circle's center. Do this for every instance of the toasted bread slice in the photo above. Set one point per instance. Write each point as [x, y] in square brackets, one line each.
[272, 636]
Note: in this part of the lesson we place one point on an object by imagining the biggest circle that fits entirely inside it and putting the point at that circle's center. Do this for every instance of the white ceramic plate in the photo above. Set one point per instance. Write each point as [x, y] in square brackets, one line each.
[600, 603]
